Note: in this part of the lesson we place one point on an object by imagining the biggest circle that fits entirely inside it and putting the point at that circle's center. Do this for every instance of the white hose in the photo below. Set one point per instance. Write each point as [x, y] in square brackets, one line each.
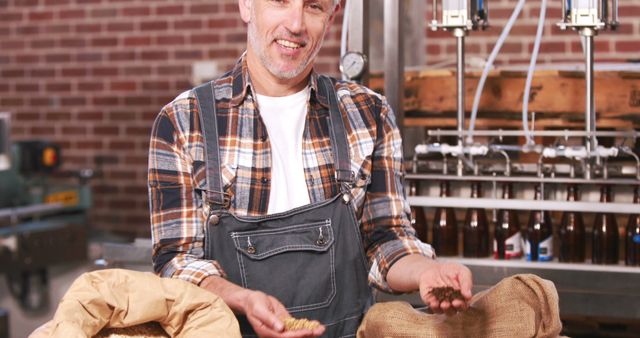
[489, 64]
[532, 68]
[343, 34]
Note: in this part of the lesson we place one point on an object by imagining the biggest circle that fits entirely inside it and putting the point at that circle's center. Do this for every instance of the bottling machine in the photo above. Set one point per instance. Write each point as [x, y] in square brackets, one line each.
[597, 298]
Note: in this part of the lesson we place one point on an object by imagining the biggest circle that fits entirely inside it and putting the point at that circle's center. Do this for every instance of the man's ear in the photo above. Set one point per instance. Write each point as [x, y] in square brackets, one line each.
[245, 9]
[335, 12]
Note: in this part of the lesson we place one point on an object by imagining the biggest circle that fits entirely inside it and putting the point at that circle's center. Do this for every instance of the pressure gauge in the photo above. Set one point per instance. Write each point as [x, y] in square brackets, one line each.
[353, 65]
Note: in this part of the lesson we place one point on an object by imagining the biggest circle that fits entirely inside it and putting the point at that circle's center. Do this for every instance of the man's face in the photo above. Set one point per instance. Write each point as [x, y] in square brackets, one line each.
[286, 35]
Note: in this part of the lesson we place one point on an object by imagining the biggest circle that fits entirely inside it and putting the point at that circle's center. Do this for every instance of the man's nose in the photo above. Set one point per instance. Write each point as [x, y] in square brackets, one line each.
[295, 18]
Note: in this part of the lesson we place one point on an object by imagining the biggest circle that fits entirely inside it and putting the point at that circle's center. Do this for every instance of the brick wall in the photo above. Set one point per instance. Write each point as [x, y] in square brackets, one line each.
[92, 74]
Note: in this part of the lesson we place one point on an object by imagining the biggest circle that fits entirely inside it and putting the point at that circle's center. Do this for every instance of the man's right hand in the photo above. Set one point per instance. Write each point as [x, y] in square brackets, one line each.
[265, 313]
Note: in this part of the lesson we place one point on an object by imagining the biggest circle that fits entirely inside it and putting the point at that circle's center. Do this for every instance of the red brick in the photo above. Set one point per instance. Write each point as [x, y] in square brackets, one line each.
[72, 14]
[57, 116]
[187, 24]
[27, 58]
[39, 102]
[13, 44]
[48, 43]
[89, 57]
[106, 101]
[27, 30]
[72, 43]
[90, 116]
[157, 55]
[136, 11]
[170, 40]
[627, 46]
[121, 145]
[13, 73]
[223, 23]
[134, 41]
[85, 28]
[104, 42]
[170, 10]
[40, 16]
[122, 56]
[137, 101]
[73, 101]
[12, 102]
[57, 29]
[137, 70]
[105, 71]
[188, 54]
[156, 85]
[104, 13]
[120, 26]
[27, 87]
[75, 131]
[27, 116]
[123, 86]
[57, 57]
[58, 87]
[89, 145]
[142, 131]
[204, 8]
[74, 72]
[10, 16]
[106, 130]
[154, 26]
[40, 130]
[205, 38]
[121, 116]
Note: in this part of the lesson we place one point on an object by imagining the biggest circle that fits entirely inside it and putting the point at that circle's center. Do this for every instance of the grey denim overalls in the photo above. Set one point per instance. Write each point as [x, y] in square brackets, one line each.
[310, 258]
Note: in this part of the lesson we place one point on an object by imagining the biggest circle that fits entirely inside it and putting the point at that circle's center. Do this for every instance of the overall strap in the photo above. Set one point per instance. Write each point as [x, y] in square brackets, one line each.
[338, 133]
[209, 124]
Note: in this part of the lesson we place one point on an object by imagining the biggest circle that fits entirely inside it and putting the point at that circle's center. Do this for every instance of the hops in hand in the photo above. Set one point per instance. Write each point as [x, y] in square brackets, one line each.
[446, 293]
[293, 324]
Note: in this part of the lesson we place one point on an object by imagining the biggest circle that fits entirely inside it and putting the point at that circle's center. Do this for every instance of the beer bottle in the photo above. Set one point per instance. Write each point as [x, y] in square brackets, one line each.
[572, 235]
[418, 218]
[508, 240]
[445, 228]
[605, 233]
[539, 243]
[475, 233]
[633, 235]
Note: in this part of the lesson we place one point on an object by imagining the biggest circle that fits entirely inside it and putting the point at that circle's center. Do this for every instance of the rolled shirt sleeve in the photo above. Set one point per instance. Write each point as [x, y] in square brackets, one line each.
[386, 227]
[175, 205]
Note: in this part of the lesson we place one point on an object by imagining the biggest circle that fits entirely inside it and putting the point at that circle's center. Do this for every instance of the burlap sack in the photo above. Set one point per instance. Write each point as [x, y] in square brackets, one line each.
[122, 301]
[518, 306]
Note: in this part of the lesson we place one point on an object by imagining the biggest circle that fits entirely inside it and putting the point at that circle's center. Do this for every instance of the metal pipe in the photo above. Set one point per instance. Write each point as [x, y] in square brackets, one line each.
[524, 179]
[394, 58]
[557, 133]
[459, 33]
[522, 204]
[31, 211]
[590, 106]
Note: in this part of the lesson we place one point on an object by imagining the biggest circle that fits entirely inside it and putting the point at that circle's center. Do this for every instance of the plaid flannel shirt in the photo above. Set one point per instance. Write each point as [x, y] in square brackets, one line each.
[177, 176]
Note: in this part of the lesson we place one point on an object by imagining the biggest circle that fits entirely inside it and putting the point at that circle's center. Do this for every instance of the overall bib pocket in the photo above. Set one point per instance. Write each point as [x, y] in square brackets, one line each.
[272, 260]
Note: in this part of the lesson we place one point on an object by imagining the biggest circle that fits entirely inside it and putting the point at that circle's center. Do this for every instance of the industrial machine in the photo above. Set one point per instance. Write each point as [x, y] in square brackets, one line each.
[43, 215]
[552, 152]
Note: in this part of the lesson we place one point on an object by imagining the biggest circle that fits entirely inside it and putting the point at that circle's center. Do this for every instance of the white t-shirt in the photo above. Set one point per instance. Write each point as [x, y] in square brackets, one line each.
[284, 118]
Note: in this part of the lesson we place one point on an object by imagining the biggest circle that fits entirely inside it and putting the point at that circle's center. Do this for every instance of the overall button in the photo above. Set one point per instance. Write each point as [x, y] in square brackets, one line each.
[214, 219]
[264, 180]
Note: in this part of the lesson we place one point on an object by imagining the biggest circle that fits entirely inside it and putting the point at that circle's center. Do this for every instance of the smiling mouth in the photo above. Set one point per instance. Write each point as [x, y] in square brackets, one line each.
[289, 44]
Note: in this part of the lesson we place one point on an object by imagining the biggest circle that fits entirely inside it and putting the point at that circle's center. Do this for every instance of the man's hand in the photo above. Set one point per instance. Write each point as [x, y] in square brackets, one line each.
[265, 313]
[452, 275]
[418, 273]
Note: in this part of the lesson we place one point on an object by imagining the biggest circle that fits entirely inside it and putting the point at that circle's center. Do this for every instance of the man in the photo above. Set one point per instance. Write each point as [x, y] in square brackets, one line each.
[294, 200]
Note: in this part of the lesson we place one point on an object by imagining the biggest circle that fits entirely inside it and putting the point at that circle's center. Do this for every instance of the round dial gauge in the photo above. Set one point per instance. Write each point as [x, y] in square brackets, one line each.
[353, 64]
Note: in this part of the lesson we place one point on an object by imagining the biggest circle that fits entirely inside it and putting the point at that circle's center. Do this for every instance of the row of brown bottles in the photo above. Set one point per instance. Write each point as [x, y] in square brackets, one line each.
[538, 241]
